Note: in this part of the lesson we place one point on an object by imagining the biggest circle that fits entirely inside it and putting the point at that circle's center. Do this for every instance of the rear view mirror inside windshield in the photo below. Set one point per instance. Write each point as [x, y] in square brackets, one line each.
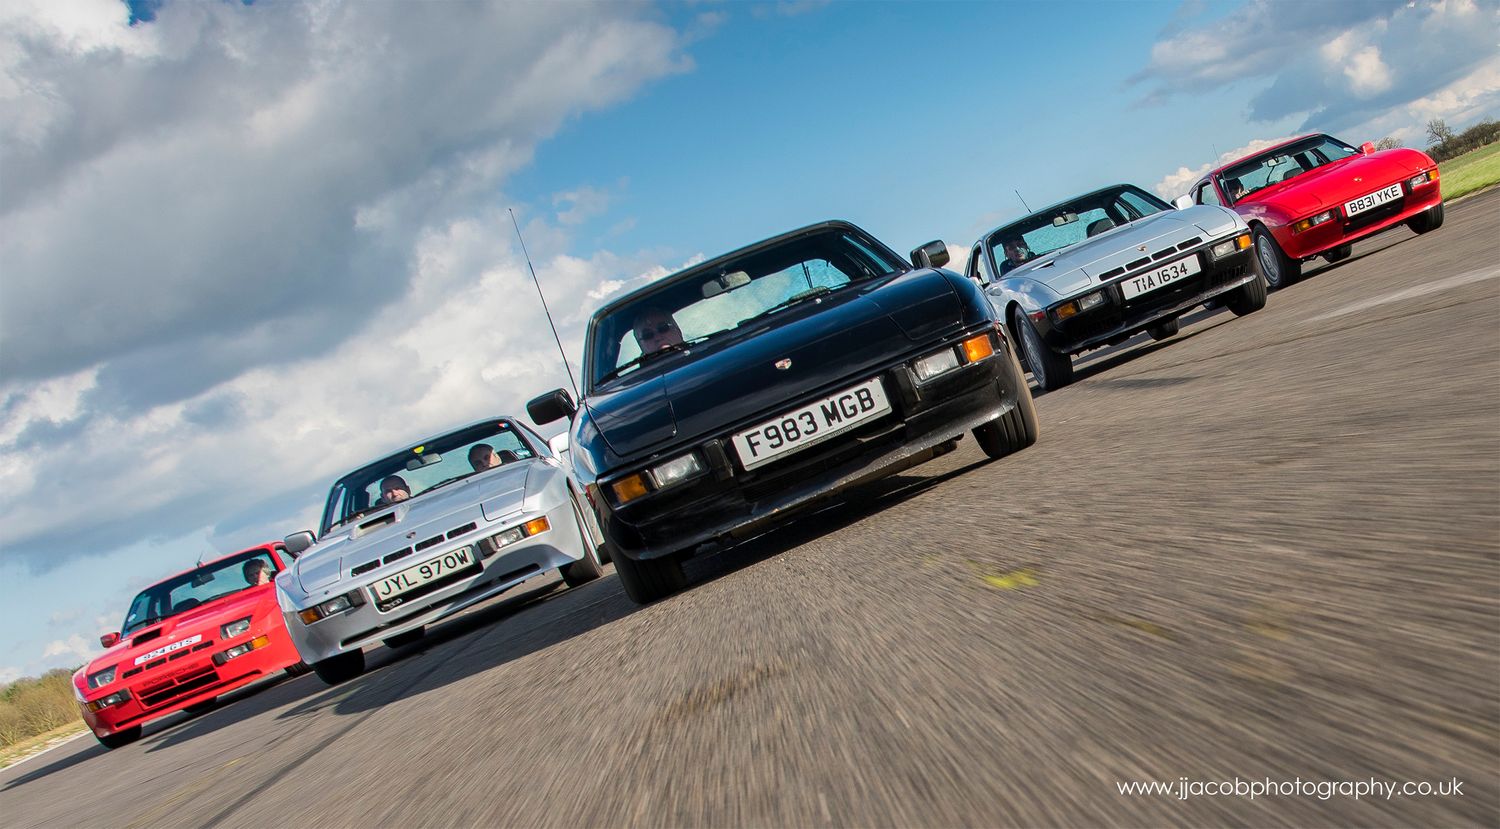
[420, 461]
[1064, 219]
[724, 283]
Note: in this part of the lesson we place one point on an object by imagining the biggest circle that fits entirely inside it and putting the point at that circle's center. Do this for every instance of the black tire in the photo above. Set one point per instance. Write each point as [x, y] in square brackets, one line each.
[1164, 329]
[587, 568]
[1338, 254]
[123, 737]
[298, 669]
[340, 668]
[1427, 220]
[1016, 429]
[401, 640]
[1050, 369]
[1278, 269]
[648, 580]
[1247, 298]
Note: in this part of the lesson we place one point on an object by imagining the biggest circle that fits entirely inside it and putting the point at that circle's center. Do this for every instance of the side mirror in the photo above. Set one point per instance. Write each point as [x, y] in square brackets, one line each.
[1182, 202]
[554, 405]
[109, 640]
[931, 255]
[1367, 148]
[297, 542]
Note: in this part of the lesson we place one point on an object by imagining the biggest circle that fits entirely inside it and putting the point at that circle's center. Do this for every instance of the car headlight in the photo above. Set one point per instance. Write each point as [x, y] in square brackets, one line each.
[332, 607]
[113, 699]
[235, 628]
[102, 678]
[1231, 246]
[1079, 305]
[491, 545]
[1421, 179]
[658, 477]
[1313, 221]
[936, 363]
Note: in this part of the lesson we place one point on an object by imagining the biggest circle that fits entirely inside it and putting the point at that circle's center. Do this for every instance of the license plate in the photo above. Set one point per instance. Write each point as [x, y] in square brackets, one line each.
[813, 423]
[1165, 275]
[411, 578]
[163, 651]
[1374, 199]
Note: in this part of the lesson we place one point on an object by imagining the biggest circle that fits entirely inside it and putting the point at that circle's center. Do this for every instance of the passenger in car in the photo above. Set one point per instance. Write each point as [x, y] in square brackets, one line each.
[257, 572]
[393, 489]
[482, 456]
[655, 329]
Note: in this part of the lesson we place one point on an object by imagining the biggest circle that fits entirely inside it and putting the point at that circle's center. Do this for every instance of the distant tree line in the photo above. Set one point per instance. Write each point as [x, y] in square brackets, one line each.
[1443, 143]
[29, 707]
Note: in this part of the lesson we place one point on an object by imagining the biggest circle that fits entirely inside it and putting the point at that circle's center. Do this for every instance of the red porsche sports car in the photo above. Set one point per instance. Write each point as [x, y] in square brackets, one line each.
[1315, 196]
[186, 640]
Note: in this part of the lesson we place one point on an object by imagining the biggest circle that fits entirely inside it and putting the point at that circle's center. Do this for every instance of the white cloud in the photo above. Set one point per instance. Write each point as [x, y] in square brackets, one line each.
[74, 647]
[247, 247]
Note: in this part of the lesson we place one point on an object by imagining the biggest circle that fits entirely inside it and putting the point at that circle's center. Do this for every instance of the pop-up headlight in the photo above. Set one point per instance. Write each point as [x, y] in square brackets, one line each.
[102, 678]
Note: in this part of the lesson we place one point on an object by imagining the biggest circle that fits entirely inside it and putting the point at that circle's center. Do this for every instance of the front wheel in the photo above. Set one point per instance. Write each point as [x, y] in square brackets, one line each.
[341, 668]
[648, 580]
[1427, 220]
[1279, 269]
[1050, 369]
[585, 569]
[123, 737]
[1247, 298]
[1165, 329]
[1016, 429]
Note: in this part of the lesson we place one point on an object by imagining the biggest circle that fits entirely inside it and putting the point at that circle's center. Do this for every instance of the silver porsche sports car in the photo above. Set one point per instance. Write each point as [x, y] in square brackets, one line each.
[425, 532]
[1097, 269]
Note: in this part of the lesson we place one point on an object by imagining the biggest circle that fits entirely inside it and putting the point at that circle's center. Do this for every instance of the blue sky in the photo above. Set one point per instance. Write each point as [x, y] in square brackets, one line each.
[245, 247]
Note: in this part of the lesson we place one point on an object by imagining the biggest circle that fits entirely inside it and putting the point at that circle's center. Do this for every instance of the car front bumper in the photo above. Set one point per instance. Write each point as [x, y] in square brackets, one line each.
[1120, 318]
[1347, 230]
[173, 685]
[365, 623]
[729, 500]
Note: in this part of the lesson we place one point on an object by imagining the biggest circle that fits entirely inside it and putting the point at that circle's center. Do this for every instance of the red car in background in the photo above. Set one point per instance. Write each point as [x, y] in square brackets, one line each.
[1315, 196]
[186, 640]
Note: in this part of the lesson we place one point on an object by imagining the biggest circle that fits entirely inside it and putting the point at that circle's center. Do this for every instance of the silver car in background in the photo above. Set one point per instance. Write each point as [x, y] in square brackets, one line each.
[1097, 269]
[426, 532]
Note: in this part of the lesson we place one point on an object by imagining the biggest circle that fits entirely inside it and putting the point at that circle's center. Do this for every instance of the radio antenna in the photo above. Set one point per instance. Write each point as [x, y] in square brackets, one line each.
[1023, 201]
[545, 310]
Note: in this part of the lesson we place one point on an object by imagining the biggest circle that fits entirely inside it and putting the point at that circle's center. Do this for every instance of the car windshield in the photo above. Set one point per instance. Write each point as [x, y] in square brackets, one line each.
[732, 295]
[1280, 164]
[1069, 223]
[418, 470]
[185, 592]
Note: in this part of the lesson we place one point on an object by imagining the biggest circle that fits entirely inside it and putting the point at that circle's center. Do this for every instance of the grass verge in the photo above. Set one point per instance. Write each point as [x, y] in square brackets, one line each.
[1471, 172]
[16, 752]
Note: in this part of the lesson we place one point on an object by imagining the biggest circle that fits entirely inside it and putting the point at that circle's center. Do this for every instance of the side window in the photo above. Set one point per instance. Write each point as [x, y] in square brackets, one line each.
[1207, 194]
[1136, 207]
[972, 270]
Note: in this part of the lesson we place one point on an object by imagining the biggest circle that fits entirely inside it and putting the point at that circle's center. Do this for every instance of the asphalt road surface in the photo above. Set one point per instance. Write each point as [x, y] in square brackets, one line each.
[1268, 548]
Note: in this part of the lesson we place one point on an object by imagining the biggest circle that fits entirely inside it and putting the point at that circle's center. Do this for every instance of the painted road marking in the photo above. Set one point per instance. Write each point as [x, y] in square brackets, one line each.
[1409, 293]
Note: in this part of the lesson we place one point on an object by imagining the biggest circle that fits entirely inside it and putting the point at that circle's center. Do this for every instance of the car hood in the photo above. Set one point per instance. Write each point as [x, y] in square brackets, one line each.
[842, 335]
[1077, 267]
[488, 496]
[1333, 184]
[202, 621]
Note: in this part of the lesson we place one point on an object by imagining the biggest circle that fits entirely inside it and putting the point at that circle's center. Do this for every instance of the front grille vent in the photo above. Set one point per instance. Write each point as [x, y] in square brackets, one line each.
[1189, 243]
[365, 568]
[397, 556]
[458, 531]
[429, 542]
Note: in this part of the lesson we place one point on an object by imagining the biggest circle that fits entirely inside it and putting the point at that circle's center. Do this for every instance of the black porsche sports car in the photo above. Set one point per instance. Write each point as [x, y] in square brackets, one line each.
[718, 399]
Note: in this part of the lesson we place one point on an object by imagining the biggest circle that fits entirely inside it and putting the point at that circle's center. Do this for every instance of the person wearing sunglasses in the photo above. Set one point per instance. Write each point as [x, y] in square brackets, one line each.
[655, 329]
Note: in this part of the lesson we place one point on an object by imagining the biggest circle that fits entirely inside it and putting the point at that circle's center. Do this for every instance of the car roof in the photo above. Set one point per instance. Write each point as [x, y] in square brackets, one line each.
[710, 264]
[1262, 151]
[991, 232]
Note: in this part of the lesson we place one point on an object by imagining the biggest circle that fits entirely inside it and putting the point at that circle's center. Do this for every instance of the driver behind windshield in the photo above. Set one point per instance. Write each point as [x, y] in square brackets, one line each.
[1015, 254]
[655, 330]
[394, 488]
[257, 572]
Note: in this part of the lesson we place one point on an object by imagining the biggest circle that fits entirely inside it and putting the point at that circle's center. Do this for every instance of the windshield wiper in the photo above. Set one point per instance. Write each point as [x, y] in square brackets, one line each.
[643, 359]
[794, 299]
